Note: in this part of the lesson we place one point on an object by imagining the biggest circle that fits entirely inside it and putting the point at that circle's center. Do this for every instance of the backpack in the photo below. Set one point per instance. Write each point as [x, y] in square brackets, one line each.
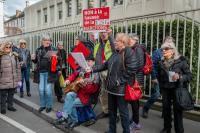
[148, 63]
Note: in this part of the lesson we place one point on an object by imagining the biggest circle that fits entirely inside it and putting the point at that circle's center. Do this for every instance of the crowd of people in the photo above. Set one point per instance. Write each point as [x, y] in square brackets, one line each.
[112, 64]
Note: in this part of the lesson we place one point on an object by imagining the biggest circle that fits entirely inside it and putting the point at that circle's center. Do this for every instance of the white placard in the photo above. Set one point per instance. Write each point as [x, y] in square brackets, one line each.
[80, 59]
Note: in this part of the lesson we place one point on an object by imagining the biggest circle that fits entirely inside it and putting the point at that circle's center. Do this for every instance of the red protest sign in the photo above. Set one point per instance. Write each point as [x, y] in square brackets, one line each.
[79, 48]
[96, 19]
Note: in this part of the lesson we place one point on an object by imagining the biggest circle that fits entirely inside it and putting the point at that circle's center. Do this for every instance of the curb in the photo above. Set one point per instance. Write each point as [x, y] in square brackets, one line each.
[49, 117]
[191, 115]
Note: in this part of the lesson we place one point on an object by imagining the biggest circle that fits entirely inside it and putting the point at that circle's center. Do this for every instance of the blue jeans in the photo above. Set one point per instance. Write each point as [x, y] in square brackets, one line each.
[69, 107]
[154, 96]
[45, 92]
[25, 76]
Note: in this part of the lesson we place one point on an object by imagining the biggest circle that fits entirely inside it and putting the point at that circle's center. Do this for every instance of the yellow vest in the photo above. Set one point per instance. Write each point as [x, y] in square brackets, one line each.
[107, 50]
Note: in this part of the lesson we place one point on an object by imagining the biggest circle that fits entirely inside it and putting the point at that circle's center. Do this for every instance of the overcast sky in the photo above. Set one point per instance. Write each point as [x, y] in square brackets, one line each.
[10, 6]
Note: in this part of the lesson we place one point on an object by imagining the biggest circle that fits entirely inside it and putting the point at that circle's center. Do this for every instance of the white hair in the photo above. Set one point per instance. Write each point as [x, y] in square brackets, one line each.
[170, 44]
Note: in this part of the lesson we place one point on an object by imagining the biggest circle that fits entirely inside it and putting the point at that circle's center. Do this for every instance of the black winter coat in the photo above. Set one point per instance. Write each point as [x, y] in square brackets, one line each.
[118, 76]
[179, 66]
[45, 62]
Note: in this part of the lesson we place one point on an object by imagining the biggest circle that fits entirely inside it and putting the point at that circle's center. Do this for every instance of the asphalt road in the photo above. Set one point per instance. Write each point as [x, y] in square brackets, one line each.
[24, 121]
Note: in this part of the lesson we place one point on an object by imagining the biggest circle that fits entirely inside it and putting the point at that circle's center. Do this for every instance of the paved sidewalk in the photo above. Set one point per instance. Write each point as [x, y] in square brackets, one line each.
[151, 125]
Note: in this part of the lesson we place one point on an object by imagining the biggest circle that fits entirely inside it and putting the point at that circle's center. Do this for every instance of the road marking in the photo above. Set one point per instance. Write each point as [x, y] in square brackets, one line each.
[16, 124]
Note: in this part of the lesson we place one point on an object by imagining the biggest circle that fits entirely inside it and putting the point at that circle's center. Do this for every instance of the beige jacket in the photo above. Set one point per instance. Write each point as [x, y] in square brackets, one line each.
[10, 72]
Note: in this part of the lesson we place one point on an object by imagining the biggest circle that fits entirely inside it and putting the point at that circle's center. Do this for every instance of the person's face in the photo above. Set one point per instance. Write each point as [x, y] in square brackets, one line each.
[167, 53]
[60, 46]
[22, 45]
[119, 45]
[132, 42]
[46, 42]
[104, 36]
[90, 63]
[76, 42]
[7, 49]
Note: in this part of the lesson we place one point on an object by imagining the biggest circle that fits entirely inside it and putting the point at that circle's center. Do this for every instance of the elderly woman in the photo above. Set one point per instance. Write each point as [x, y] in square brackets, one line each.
[121, 68]
[173, 69]
[46, 77]
[25, 67]
[10, 77]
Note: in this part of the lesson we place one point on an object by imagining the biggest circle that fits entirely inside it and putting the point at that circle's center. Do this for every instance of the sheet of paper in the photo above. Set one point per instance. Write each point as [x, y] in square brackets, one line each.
[80, 59]
[171, 74]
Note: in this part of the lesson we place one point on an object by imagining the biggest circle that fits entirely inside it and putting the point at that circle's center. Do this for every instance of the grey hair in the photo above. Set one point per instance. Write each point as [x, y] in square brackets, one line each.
[170, 44]
[134, 36]
[44, 37]
[59, 43]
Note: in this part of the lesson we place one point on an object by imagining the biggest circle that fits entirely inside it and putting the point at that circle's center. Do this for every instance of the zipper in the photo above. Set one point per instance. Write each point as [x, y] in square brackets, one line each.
[12, 69]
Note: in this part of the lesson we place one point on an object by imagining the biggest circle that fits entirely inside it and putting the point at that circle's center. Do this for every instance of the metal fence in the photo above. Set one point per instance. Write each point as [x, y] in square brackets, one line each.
[183, 26]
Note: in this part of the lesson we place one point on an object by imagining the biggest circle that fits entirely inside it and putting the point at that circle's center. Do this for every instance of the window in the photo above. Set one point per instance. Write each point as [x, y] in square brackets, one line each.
[69, 8]
[118, 2]
[52, 13]
[45, 15]
[103, 3]
[133, 1]
[90, 3]
[60, 11]
[39, 17]
[79, 6]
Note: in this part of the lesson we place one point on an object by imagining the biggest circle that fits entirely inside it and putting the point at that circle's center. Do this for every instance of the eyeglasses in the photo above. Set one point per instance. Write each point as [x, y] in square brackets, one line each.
[8, 47]
[166, 49]
[23, 43]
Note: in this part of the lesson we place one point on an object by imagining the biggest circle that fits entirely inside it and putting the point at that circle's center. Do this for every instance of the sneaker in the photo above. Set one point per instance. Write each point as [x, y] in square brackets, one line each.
[3, 111]
[144, 113]
[102, 115]
[41, 109]
[12, 109]
[48, 110]
[21, 94]
[134, 126]
[28, 94]
[60, 121]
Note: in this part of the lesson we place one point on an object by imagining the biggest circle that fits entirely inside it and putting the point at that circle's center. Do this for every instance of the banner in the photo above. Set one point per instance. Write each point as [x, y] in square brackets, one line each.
[96, 19]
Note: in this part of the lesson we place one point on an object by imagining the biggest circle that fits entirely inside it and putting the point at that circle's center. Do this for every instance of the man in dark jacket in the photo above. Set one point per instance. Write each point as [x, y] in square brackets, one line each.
[156, 57]
[62, 67]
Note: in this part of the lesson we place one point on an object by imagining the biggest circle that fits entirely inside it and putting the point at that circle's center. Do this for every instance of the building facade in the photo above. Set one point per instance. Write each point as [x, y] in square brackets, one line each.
[53, 13]
[1, 19]
[14, 25]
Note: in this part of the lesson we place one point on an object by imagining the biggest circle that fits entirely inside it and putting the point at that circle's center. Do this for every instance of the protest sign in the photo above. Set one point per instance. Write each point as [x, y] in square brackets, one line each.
[96, 19]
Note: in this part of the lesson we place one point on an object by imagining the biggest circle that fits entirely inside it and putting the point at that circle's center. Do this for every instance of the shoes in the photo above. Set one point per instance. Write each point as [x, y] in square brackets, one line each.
[48, 110]
[165, 130]
[60, 100]
[144, 113]
[41, 109]
[28, 94]
[102, 115]
[89, 122]
[12, 109]
[60, 121]
[134, 126]
[71, 125]
[21, 94]
[3, 111]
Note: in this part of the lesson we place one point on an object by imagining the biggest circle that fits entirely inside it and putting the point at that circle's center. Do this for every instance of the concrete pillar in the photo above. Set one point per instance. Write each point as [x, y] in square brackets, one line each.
[64, 9]
[96, 3]
[85, 4]
[74, 10]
